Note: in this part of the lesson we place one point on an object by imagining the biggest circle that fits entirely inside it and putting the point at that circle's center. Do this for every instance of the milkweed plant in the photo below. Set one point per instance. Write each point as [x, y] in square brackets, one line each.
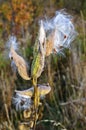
[54, 36]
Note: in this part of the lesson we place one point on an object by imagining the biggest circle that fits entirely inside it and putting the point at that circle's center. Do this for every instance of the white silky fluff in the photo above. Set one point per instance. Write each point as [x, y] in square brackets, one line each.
[63, 28]
[12, 41]
[17, 102]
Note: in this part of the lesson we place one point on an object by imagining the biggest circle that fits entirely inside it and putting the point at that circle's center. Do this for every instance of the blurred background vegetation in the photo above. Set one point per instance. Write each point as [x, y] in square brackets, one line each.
[66, 103]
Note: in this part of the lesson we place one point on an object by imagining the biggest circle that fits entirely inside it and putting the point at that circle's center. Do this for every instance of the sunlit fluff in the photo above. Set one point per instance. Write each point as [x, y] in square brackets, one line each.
[64, 31]
[12, 42]
[17, 62]
[22, 99]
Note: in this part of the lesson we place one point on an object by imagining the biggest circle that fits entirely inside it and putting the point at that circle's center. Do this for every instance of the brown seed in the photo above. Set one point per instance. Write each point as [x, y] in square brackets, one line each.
[65, 36]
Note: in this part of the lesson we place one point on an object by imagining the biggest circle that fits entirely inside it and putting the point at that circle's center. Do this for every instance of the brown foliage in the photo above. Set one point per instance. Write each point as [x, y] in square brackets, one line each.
[16, 13]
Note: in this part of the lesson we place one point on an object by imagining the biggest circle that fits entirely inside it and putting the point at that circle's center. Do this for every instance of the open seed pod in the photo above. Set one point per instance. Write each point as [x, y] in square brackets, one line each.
[64, 32]
[22, 99]
[20, 64]
[49, 43]
[42, 90]
[17, 62]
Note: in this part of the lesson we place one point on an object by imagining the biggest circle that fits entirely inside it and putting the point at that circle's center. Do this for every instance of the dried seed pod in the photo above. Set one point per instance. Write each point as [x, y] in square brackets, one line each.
[22, 99]
[20, 64]
[42, 90]
[49, 43]
[64, 34]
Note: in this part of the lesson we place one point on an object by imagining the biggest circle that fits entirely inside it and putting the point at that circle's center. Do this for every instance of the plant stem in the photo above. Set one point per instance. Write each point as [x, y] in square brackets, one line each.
[36, 100]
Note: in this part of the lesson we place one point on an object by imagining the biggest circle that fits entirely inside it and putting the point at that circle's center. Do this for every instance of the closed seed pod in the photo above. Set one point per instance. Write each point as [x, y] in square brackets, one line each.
[39, 53]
